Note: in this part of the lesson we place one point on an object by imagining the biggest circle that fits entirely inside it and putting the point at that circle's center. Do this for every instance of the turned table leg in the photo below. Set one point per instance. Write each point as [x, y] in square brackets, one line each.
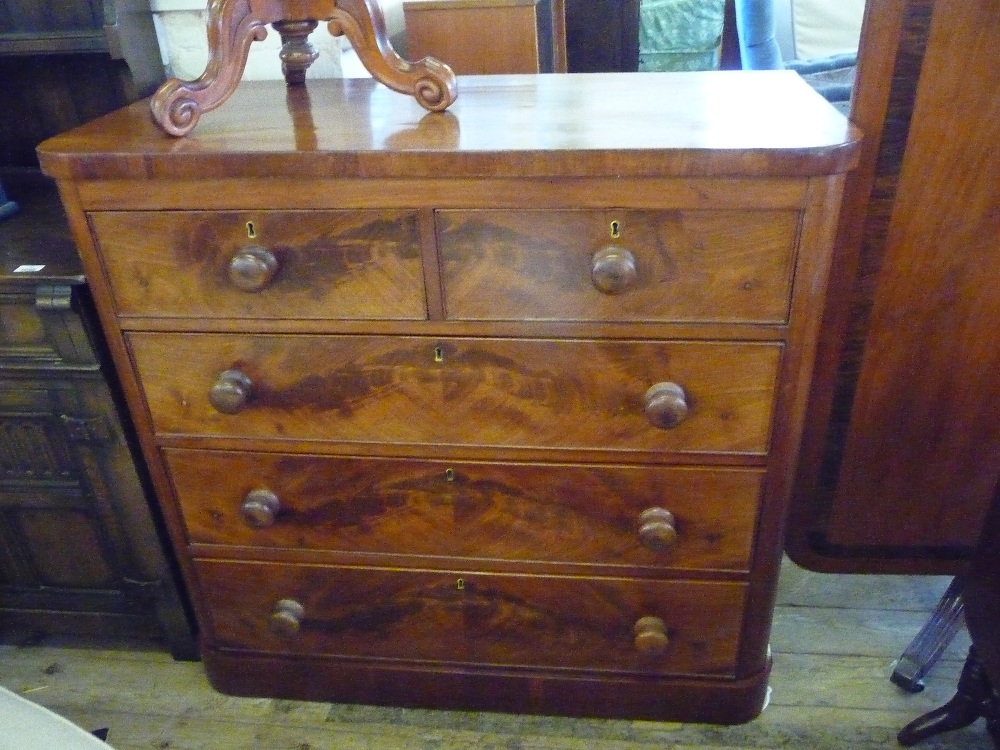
[297, 52]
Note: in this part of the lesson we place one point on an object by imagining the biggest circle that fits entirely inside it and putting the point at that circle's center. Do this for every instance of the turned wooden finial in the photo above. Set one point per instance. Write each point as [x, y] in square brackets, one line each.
[297, 52]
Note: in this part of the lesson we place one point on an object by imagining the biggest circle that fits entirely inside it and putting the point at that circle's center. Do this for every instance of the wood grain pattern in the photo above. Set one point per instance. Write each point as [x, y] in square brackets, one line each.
[480, 37]
[481, 512]
[692, 266]
[499, 392]
[269, 193]
[901, 447]
[543, 427]
[834, 636]
[761, 123]
[925, 425]
[471, 617]
[894, 37]
[331, 264]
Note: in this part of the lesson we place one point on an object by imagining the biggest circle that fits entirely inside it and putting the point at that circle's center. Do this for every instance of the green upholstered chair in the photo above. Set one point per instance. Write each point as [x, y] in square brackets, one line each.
[680, 35]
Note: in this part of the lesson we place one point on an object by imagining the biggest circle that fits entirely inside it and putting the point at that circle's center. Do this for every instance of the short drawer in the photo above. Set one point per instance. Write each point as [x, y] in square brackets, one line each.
[701, 266]
[616, 516]
[458, 616]
[263, 264]
[649, 396]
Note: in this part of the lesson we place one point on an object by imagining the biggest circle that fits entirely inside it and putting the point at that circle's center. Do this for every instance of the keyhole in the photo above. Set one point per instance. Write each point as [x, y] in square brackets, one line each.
[449, 475]
[460, 584]
[616, 229]
[251, 231]
[438, 354]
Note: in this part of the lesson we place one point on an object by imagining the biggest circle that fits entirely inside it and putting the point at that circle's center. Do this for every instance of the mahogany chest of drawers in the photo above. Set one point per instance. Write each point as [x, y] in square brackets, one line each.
[495, 408]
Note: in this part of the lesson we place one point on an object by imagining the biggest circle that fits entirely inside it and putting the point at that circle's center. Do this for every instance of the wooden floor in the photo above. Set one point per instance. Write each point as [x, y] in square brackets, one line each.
[834, 643]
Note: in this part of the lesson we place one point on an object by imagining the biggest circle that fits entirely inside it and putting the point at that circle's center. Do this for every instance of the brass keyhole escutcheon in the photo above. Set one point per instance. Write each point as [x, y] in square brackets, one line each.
[251, 231]
[438, 354]
[449, 475]
[460, 584]
[616, 229]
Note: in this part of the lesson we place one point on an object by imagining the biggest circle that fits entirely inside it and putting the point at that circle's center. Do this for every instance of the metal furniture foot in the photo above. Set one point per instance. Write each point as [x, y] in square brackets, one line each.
[926, 648]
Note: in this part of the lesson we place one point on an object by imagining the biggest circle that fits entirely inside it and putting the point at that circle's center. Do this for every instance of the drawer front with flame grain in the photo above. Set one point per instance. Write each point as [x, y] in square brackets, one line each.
[629, 266]
[263, 264]
[613, 516]
[598, 395]
[602, 624]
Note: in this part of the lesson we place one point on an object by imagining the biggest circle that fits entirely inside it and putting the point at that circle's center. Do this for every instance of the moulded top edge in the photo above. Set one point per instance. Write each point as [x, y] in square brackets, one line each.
[731, 123]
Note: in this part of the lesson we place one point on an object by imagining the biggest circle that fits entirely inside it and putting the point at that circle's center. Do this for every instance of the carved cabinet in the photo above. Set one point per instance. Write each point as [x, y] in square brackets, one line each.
[79, 551]
[493, 408]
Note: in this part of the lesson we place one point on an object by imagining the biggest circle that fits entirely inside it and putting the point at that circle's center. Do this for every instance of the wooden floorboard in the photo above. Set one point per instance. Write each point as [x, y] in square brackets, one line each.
[835, 640]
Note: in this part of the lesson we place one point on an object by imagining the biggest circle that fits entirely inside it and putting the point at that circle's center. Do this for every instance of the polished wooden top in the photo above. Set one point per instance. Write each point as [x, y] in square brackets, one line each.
[766, 123]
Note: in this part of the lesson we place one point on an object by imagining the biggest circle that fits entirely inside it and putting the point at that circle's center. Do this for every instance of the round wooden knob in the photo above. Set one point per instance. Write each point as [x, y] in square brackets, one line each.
[613, 270]
[657, 529]
[259, 508]
[252, 268]
[230, 392]
[665, 405]
[286, 617]
[651, 636]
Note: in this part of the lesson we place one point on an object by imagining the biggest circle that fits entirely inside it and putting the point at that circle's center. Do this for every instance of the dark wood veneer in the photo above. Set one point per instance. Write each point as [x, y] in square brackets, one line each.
[573, 504]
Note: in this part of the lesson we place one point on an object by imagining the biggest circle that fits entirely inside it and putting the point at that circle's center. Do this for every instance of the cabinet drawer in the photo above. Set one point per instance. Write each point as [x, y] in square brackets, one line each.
[586, 515]
[728, 266]
[263, 264]
[470, 617]
[494, 392]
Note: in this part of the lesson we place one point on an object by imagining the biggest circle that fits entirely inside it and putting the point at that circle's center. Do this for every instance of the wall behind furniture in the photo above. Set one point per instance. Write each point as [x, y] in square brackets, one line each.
[820, 28]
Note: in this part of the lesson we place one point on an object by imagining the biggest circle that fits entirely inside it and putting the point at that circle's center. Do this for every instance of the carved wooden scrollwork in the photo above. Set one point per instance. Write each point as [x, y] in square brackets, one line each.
[232, 28]
[233, 25]
[429, 81]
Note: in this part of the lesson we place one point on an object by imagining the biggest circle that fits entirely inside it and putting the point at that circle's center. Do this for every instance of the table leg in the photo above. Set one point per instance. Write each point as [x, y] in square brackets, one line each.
[233, 25]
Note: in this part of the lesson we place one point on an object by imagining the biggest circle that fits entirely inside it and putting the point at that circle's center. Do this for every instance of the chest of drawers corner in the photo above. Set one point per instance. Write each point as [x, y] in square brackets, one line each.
[492, 409]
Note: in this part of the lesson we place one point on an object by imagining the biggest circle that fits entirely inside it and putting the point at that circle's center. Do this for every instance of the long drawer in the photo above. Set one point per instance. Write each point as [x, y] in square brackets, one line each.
[618, 265]
[653, 396]
[263, 264]
[454, 616]
[587, 515]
